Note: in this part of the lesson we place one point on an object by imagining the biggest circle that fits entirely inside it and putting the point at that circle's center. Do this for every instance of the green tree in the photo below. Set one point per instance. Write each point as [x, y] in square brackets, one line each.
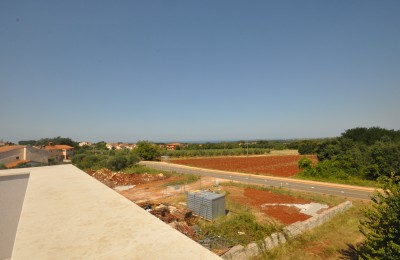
[384, 159]
[2, 166]
[308, 147]
[27, 142]
[148, 151]
[371, 135]
[57, 140]
[89, 161]
[304, 163]
[100, 146]
[381, 227]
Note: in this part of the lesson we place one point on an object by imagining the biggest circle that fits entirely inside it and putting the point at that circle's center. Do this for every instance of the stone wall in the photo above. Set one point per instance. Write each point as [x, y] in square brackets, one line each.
[240, 252]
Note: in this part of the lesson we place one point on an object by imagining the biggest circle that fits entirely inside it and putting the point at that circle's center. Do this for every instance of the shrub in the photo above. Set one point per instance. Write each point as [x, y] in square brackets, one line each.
[304, 163]
[148, 151]
[381, 227]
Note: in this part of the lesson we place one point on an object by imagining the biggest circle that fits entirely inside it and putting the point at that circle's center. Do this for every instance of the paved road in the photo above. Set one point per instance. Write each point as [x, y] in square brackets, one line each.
[309, 186]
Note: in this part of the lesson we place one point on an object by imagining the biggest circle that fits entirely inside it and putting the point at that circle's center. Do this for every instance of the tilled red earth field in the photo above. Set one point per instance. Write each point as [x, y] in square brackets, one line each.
[275, 165]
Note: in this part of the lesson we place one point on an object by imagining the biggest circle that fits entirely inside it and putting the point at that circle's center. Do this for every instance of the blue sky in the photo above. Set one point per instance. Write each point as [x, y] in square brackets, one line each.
[197, 70]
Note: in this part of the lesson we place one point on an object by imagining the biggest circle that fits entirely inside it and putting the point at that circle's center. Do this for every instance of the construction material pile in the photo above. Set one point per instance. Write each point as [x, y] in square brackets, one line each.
[179, 219]
[113, 179]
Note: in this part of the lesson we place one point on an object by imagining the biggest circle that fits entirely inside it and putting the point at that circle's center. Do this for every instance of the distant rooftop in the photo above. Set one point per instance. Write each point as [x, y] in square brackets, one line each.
[58, 147]
[68, 214]
[10, 147]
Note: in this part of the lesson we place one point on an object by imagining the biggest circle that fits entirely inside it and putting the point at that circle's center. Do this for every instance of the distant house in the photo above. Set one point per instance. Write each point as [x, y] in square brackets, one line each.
[110, 146]
[174, 146]
[13, 155]
[85, 144]
[60, 152]
[119, 146]
[131, 146]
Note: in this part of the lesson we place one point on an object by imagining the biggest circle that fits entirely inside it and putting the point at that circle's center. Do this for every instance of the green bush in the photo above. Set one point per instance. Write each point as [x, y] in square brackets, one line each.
[117, 162]
[381, 226]
[244, 222]
[148, 151]
[304, 163]
[308, 147]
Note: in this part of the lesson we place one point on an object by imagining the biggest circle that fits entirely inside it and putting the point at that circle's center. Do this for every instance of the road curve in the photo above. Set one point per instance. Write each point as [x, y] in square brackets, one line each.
[348, 191]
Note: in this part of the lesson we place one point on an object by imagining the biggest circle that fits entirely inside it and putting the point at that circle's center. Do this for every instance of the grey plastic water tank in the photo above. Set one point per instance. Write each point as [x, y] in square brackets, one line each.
[208, 205]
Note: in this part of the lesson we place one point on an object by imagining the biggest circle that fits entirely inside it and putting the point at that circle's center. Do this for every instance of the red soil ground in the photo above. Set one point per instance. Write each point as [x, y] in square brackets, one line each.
[276, 165]
[152, 186]
[255, 198]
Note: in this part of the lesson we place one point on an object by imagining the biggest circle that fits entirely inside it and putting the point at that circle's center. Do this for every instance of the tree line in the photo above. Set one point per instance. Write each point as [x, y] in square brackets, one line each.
[216, 152]
[365, 153]
[45, 141]
[116, 160]
[255, 144]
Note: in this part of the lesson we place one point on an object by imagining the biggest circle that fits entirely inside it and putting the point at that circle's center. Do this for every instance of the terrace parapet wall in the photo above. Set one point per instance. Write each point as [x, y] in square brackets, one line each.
[240, 252]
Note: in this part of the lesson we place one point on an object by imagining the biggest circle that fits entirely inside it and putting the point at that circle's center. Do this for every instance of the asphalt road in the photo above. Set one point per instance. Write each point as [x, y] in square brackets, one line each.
[348, 191]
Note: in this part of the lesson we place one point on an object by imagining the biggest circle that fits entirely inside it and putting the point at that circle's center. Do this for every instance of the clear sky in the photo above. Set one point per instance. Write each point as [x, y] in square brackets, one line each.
[197, 70]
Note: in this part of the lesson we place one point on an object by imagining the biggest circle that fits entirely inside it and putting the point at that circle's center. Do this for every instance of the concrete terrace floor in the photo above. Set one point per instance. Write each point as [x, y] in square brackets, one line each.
[66, 214]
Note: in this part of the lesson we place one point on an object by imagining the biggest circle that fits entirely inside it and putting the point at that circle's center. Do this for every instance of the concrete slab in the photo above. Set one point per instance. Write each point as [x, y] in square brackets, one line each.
[311, 209]
[69, 215]
[126, 187]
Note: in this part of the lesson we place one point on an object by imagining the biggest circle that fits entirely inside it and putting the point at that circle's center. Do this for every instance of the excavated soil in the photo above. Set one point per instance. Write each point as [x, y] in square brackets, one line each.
[113, 179]
[255, 198]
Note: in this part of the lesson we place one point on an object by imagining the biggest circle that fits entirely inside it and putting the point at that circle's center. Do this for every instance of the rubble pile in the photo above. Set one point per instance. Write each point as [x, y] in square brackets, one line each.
[113, 179]
[185, 229]
[178, 218]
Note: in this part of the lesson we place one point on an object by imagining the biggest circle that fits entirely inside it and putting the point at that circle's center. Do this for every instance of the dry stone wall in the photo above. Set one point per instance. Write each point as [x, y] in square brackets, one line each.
[240, 252]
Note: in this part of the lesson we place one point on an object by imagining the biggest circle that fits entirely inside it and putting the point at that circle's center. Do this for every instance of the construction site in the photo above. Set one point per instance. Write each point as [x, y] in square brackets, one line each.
[215, 213]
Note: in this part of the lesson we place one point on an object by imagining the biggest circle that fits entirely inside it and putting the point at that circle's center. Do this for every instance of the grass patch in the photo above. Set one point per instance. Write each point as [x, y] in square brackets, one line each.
[237, 228]
[349, 181]
[183, 179]
[141, 169]
[328, 241]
